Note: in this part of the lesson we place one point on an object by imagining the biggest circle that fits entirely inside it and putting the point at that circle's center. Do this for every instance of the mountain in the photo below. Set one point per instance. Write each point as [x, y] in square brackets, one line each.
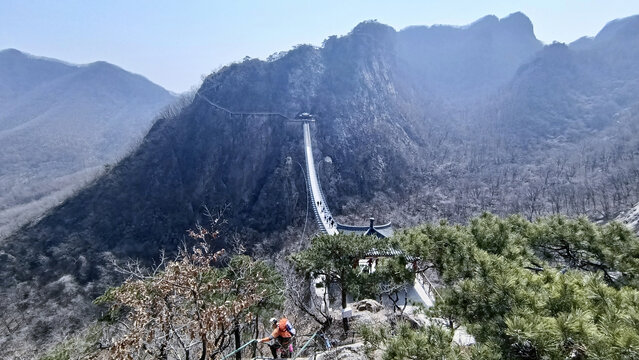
[21, 73]
[60, 123]
[470, 62]
[409, 129]
[592, 81]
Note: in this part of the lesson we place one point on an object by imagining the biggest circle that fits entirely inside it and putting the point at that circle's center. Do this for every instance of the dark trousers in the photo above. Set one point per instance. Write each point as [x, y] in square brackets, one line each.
[283, 345]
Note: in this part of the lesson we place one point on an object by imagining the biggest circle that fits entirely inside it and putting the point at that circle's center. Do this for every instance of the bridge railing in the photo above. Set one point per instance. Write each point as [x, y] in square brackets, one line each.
[362, 227]
[431, 289]
[328, 210]
[322, 217]
[315, 207]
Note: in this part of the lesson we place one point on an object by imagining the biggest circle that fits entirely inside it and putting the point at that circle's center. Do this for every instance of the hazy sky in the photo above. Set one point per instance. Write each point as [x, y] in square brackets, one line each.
[174, 42]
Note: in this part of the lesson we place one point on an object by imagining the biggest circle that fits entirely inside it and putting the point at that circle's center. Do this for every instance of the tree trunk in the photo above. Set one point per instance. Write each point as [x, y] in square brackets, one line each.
[203, 356]
[257, 335]
[344, 319]
[238, 340]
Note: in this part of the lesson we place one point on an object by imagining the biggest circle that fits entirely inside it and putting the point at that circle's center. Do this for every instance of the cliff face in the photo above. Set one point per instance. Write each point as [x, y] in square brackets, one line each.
[630, 217]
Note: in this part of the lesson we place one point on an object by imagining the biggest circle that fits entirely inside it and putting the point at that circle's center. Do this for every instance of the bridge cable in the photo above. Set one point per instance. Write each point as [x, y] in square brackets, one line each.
[219, 107]
[230, 112]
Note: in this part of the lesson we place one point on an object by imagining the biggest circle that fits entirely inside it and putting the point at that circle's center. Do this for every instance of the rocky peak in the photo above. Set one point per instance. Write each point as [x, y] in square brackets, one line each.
[488, 21]
[518, 23]
[373, 28]
[556, 50]
[583, 43]
[20, 72]
[553, 58]
[11, 53]
[620, 29]
[471, 61]
[102, 65]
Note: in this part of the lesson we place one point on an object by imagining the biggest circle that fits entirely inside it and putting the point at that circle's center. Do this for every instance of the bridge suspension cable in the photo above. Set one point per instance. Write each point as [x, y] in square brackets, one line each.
[240, 113]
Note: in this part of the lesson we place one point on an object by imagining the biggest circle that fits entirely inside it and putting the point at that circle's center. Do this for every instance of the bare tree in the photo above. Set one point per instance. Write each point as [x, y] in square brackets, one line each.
[184, 308]
[301, 294]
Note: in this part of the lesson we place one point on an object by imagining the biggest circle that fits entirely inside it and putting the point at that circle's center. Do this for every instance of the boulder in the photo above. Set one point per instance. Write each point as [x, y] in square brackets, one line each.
[368, 305]
[346, 352]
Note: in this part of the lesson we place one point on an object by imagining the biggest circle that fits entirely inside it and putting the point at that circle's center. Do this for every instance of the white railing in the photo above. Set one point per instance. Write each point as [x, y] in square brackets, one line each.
[322, 212]
[430, 289]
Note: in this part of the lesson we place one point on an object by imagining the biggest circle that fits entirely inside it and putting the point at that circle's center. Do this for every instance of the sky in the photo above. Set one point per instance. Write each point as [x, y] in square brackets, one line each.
[175, 43]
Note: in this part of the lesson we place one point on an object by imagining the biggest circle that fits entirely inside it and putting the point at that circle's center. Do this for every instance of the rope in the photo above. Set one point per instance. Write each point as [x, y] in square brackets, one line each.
[305, 345]
[240, 348]
[219, 107]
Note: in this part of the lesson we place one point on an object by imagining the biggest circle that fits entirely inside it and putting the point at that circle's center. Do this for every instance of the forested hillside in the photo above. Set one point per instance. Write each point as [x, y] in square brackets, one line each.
[60, 124]
[553, 288]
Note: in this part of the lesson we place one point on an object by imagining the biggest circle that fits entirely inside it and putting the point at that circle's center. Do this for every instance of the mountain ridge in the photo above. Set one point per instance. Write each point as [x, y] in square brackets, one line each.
[58, 119]
[470, 62]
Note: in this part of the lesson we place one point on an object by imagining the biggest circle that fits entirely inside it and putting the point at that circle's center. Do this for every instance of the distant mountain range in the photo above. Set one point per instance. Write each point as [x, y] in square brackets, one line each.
[412, 126]
[60, 124]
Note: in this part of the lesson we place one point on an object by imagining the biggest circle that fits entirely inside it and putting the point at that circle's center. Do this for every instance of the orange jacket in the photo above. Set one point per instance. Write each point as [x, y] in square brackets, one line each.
[277, 333]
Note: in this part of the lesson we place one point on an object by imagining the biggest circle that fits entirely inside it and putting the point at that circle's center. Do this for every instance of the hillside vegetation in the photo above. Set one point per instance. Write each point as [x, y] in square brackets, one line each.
[555, 288]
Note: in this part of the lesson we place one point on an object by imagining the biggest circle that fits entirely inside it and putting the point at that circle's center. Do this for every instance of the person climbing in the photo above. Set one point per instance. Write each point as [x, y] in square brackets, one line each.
[281, 338]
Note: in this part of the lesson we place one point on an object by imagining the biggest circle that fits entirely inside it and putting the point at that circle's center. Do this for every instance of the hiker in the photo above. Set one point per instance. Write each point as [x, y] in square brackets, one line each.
[280, 338]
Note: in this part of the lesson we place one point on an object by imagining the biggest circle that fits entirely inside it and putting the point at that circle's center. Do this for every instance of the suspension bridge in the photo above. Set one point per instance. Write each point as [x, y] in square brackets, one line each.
[422, 290]
[323, 215]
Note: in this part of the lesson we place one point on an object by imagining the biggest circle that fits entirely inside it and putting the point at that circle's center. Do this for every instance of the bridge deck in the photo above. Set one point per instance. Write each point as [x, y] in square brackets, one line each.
[419, 290]
[322, 213]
